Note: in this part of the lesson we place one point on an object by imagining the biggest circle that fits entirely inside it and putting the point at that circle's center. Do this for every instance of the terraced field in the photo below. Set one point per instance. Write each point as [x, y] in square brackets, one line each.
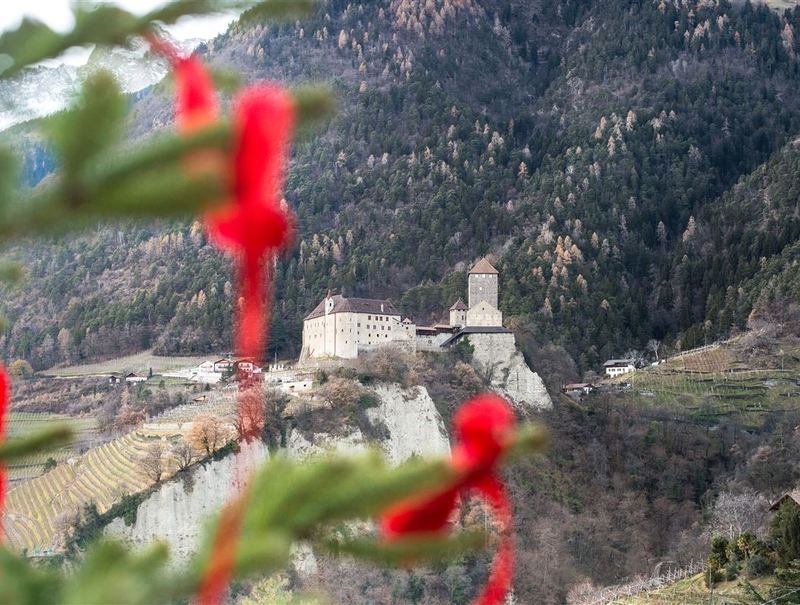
[713, 384]
[102, 476]
[693, 590]
[25, 423]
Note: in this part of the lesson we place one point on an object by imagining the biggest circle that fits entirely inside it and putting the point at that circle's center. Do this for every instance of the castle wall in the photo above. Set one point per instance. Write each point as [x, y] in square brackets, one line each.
[431, 342]
[484, 315]
[344, 334]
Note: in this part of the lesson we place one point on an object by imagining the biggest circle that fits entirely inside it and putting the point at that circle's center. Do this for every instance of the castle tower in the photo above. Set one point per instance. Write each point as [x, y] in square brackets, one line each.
[482, 284]
[458, 314]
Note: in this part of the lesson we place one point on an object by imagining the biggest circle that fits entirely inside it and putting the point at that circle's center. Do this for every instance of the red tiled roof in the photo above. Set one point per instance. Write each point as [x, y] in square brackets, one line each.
[483, 266]
[459, 306]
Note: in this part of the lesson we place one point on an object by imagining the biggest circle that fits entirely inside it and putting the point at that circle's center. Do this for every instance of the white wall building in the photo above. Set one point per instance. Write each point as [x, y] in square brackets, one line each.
[617, 367]
[343, 327]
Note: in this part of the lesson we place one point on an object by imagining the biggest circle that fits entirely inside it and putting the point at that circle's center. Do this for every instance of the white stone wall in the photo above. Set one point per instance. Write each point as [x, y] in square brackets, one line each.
[431, 342]
[344, 334]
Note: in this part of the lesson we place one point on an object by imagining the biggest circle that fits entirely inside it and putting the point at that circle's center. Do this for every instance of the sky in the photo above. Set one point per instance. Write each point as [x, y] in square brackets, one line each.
[57, 14]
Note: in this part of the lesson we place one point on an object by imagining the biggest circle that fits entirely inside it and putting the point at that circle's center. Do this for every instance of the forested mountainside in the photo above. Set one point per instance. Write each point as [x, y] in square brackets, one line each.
[626, 163]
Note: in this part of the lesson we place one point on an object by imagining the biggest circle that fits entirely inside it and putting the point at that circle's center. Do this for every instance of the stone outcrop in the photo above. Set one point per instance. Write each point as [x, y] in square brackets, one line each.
[414, 424]
[498, 357]
[175, 512]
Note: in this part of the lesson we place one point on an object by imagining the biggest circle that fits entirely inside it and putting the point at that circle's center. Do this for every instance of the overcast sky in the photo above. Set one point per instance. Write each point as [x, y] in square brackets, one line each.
[56, 14]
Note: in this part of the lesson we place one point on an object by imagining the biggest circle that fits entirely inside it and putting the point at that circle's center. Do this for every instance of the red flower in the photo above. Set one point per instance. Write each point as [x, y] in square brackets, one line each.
[483, 427]
[4, 399]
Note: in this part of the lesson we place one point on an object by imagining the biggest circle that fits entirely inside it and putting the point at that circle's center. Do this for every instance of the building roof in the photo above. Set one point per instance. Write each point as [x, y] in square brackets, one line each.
[459, 306]
[793, 495]
[574, 386]
[618, 362]
[483, 266]
[475, 330]
[354, 305]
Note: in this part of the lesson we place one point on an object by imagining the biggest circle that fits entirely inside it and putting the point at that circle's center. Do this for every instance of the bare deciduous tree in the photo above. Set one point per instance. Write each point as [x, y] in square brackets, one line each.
[208, 433]
[734, 514]
[152, 461]
[185, 454]
[248, 418]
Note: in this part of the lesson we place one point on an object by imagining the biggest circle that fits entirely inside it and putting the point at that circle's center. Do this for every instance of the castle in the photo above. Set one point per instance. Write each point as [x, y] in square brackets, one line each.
[345, 327]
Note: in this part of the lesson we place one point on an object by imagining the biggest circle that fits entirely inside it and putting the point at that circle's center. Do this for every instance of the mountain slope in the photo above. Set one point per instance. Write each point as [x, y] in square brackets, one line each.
[579, 143]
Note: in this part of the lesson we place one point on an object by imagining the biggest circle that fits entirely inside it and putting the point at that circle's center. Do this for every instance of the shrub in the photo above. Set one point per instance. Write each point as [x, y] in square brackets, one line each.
[712, 577]
[758, 565]
[367, 401]
[463, 350]
[719, 552]
[731, 571]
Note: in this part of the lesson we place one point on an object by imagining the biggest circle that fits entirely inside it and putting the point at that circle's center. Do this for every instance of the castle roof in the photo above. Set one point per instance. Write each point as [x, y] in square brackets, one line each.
[354, 305]
[459, 306]
[475, 330]
[483, 266]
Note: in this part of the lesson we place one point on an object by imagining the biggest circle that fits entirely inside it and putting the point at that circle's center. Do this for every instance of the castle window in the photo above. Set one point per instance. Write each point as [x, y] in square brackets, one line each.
[369, 316]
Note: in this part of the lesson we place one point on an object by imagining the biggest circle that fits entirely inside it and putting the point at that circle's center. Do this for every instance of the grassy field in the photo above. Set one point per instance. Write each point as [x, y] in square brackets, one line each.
[140, 363]
[25, 423]
[715, 383]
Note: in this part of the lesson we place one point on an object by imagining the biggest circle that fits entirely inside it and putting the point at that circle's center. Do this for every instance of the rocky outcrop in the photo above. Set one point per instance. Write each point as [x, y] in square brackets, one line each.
[408, 418]
[175, 512]
[497, 356]
[414, 425]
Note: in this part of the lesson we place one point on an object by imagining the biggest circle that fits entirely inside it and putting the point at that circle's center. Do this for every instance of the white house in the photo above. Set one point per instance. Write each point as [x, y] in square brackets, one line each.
[221, 365]
[617, 367]
[135, 378]
[207, 367]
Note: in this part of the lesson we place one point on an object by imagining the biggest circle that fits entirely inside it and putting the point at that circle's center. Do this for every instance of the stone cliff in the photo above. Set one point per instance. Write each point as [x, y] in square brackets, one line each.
[497, 356]
[174, 513]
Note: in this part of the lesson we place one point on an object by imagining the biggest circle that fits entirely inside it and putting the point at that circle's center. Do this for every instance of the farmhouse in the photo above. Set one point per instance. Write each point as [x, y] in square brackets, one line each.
[135, 378]
[577, 387]
[617, 367]
[222, 365]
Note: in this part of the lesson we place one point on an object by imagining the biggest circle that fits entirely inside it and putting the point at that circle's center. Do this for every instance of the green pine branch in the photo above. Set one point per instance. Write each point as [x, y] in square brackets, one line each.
[101, 179]
[109, 25]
